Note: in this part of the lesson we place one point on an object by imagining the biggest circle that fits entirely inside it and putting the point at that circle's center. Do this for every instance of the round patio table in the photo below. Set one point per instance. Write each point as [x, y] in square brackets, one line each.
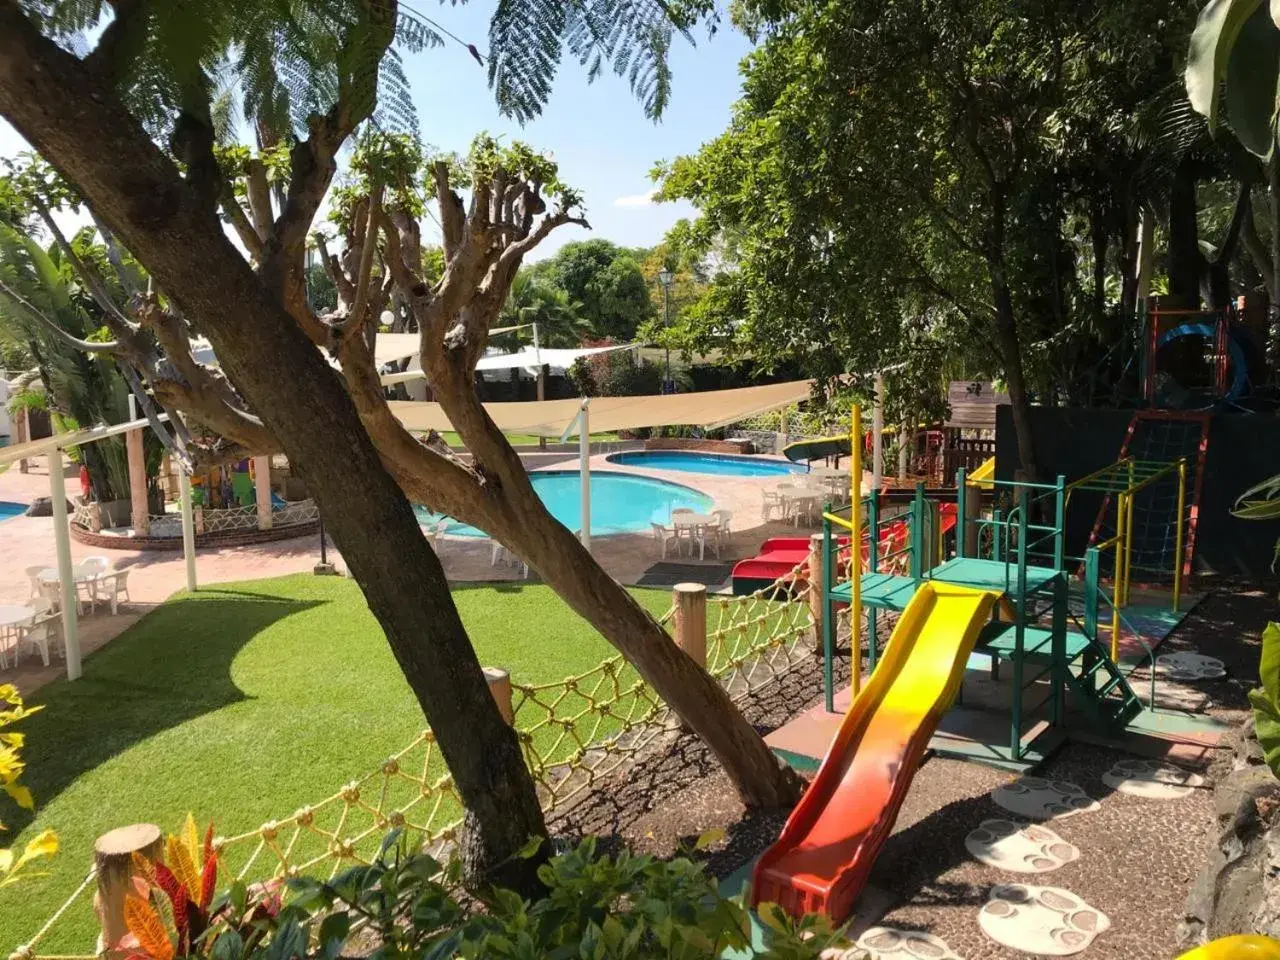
[14, 615]
[696, 524]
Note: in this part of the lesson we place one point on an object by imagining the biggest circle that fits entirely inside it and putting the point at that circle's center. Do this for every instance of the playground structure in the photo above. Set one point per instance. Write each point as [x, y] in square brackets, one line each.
[1001, 587]
[1213, 363]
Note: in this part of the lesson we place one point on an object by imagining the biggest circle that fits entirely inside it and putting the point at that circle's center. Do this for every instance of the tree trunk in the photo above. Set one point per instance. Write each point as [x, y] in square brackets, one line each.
[1011, 360]
[50, 97]
[518, 518]
[1185, 258]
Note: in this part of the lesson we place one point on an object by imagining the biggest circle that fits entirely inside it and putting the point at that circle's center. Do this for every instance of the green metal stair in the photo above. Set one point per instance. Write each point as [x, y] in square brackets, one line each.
[1102, 690]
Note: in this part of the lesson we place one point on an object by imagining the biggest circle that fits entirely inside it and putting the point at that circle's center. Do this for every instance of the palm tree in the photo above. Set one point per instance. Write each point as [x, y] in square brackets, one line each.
[534, 300]
[82, 388]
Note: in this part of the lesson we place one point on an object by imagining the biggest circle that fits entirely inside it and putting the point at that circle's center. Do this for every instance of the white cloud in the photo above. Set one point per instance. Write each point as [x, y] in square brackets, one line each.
[637, 199]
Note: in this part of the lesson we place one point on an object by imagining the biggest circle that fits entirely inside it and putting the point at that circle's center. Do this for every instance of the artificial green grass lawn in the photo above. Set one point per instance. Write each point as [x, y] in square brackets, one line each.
[241, 703]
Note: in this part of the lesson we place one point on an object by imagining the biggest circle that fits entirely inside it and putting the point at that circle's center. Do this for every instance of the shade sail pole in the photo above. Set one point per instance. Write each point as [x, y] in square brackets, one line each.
[584, 470]
[66, 576]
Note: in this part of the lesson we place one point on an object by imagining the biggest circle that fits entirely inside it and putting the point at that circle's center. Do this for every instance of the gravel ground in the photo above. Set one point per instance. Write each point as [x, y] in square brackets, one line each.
[1138, 857]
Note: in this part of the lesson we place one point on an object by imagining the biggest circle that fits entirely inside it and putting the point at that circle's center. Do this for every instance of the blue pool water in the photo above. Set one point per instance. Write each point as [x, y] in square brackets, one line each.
[9, 509]
[620, 502]
[713, 463]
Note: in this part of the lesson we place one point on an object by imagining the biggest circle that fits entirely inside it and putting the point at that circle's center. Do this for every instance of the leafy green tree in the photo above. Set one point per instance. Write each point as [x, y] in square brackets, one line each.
[901, 184]
[100, 118]
[606, 281]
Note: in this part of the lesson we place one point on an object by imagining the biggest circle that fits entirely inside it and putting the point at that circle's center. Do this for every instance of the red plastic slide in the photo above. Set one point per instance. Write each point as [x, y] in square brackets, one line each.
[820, 862]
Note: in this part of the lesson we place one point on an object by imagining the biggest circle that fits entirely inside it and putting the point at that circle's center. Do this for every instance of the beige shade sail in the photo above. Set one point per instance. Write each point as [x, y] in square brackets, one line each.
[555, 418]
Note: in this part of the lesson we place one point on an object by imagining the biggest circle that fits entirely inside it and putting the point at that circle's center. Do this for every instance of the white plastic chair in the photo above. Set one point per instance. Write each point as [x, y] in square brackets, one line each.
[113, 586]
[38, 632]
[501, 555]
[774, 506]
[33, 575]
[722, 528]
[90, 569]
[435, 533]
[664, 535]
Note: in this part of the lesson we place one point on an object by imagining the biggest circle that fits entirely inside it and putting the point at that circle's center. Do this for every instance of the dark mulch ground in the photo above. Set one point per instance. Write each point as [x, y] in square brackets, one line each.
[1138, 857]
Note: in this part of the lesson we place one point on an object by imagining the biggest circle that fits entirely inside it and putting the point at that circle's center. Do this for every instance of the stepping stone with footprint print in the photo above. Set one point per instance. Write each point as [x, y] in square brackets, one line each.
[1151, 779]
[1019, 847]
[885, 943]
[1039, 799]
[1046, 921]
[1189, 666]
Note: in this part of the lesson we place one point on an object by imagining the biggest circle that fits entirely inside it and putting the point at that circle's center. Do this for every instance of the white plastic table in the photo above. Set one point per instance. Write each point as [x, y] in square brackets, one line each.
[78, 574]
[696, 524]
[13, 617]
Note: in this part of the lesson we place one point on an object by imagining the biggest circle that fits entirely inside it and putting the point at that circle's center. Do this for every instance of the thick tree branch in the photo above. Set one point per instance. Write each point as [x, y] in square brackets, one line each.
[369, 246]
[239, 220]
[121, 41]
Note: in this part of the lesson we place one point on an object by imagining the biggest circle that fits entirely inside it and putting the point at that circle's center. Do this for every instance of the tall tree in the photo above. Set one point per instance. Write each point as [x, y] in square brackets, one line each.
[278, 390]
[606, 280]
[900, 168]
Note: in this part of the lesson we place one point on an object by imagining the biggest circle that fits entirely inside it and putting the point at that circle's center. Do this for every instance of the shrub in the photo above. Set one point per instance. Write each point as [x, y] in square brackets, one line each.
[44, 844]
[623, 907]
[1266, 699]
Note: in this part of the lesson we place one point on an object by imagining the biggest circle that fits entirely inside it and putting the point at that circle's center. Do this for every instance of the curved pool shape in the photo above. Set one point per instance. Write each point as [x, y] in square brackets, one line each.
[719, 464]
[620, 502]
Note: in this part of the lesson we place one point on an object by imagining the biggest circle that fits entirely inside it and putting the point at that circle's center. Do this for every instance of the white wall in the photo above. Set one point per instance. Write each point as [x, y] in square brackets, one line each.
[6, 428]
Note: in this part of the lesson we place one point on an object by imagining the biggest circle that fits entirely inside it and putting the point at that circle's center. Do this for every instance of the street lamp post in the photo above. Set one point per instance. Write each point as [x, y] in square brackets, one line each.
[666, 278]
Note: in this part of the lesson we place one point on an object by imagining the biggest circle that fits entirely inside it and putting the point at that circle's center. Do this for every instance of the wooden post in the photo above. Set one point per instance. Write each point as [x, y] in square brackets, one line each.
[972, 514]
[113, 860]
[500, 686]
[817, 607]
[137, 483]
[22, 428]
[691, 621]
[262, 490]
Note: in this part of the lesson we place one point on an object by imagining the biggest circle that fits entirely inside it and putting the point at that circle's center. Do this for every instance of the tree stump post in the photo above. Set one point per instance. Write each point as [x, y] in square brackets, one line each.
[499, 681]
[817, 604]
[22, 428]
[972, 514]
[113, 860]
[262, 490]
[139, 509]
[691, 621]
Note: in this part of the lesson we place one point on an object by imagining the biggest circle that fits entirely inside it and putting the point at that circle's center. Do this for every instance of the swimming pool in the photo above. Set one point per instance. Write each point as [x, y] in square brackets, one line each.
[620, 502]
[10, 509]
[718, 464]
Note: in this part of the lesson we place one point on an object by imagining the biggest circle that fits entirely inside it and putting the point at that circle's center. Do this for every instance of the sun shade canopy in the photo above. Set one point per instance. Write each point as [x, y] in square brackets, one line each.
[555, 418]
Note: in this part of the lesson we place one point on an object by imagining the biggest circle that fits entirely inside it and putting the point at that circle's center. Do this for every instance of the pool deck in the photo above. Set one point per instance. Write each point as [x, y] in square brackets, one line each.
[156, 575]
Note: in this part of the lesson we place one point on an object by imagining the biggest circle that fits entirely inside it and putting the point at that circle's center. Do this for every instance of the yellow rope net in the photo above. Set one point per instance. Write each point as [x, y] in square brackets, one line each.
[573, 732]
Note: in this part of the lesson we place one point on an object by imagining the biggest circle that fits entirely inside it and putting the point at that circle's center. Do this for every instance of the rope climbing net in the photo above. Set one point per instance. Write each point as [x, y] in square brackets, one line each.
[573, 733]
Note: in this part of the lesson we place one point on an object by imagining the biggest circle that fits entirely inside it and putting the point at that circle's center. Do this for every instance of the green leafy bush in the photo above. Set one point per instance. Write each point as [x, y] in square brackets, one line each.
[1261, 502]
[623, 907]
[1266, 699]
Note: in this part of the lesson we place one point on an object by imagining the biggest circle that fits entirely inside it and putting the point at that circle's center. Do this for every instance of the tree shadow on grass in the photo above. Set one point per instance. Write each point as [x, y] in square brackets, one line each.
[170, 667]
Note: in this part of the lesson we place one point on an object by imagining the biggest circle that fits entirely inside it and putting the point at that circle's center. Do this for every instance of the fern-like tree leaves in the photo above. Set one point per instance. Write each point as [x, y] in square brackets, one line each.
[529, 38]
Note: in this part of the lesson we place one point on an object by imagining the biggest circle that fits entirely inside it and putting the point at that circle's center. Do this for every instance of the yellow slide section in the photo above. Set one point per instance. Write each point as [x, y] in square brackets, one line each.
[984, 475]
[1243, 947]
[821, 861]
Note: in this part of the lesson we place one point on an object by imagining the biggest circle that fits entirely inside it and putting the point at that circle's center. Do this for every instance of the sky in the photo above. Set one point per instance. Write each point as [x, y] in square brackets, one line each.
[597, 132]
